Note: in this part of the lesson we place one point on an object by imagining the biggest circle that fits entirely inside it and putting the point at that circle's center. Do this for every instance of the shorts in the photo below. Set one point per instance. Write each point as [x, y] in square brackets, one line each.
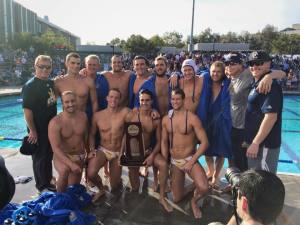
[267, 159]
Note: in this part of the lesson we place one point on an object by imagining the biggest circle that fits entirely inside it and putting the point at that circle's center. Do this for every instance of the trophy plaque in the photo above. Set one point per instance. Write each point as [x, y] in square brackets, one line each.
[134, 153]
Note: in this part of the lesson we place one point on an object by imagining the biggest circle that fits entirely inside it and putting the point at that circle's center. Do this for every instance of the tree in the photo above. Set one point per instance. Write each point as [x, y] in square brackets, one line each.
[173, 39]
[117, 42]
[137, 44]
[286, 44]
[230, 37]
[156, 40]
[205, 36]
[51, 42]
[268, 34]
[22, 41]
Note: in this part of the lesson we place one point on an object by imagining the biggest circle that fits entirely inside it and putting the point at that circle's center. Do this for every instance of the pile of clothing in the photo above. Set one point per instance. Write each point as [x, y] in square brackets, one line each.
[51, 208]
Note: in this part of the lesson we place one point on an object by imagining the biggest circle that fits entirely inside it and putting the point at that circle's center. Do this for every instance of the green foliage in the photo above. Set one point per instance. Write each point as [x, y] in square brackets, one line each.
[286, 44]
[139, 45]
[156, 40]
[173, 39]
[117, 42]
[46, 43]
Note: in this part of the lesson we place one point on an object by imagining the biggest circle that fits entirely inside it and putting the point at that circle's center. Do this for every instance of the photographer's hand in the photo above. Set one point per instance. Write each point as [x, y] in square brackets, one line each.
[252, 150]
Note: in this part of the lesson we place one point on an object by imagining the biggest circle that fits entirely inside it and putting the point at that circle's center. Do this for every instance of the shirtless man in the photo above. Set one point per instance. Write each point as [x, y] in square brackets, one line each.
[67, 135]
[150, 127]
[182, 129]
[140, 65]
[159, 86]
[82, 86]
[191, 84]
[110, 123]
[118, 78]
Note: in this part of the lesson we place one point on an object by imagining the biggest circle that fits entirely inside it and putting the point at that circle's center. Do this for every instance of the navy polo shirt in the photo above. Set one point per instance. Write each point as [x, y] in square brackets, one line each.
[260, 104]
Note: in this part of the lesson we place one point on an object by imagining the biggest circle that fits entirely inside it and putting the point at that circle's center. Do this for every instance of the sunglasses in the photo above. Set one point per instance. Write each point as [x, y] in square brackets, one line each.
[256, 63]
[43, 67]
[231, 63]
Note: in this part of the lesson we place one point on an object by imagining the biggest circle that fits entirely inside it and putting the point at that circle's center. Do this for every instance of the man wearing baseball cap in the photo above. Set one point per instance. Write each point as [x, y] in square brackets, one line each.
[263, 117]
[241, 80]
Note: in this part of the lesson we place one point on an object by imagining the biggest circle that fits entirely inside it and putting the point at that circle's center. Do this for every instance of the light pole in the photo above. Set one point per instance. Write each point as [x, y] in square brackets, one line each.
[192, 29]
[113, 49]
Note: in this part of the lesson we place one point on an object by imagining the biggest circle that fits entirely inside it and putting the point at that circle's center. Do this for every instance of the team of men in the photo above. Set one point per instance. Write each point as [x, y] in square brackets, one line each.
[82, 134]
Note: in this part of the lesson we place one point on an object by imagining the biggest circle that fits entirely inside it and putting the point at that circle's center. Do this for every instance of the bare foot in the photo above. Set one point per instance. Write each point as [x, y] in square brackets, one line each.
[196, 210]
[98, 195]
[166, 205]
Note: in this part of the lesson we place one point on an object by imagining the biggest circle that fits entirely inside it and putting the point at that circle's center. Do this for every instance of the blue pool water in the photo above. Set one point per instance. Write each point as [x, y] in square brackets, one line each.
[12, 125]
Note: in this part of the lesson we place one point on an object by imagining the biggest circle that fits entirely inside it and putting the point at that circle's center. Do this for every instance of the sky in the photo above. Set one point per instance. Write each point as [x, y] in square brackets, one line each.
[100, 21]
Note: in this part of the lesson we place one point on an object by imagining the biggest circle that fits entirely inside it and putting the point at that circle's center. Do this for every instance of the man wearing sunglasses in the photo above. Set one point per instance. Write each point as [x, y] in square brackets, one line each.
[263, 117]
[39, 106]
[241, 79]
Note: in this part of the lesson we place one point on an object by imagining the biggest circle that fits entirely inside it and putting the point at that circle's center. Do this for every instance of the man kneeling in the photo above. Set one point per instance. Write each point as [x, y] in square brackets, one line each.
[182, 129]
[154, 158]
[67, 135]
[110, 124]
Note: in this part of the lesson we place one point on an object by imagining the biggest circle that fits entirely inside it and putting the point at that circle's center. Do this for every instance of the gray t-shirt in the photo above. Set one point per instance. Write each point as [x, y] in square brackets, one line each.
[239, 90]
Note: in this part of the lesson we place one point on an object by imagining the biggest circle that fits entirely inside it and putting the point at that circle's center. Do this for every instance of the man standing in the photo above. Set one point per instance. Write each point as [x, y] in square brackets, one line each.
[182, 129]
[92, 67]
[241, 80]
[140, 65]
[82, 86]
[118, 78]
[154, 158]
[191, 84]
[263, 117]
[110, 123]
[158, 85]
[68, 136]
[214, 112]
[39, 105]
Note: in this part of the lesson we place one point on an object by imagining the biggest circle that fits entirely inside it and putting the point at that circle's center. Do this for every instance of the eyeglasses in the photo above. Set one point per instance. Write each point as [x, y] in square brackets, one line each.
[231, 63]
[255, 63]
[43, 67]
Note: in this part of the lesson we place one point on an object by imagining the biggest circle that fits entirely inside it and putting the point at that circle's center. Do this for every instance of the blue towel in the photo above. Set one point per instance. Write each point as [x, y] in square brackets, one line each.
[150, 85]
[215, 117]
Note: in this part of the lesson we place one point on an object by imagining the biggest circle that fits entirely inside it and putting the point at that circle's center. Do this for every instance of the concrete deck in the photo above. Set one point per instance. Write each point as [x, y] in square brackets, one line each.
[124, 207]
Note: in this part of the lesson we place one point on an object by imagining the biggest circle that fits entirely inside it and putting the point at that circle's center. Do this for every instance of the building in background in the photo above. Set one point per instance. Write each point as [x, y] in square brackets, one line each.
[15, 18]
[295, 29]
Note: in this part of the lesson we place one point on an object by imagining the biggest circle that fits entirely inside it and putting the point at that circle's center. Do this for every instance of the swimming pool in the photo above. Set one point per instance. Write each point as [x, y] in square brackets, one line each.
[12, 125]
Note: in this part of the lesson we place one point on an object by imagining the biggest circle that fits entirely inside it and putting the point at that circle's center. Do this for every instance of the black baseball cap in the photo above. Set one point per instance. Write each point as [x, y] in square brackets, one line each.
[259, 56]
[234, 57]
[27, 148]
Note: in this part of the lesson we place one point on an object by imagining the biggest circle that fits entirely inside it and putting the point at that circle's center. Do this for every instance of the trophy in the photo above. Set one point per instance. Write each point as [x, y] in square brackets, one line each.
[134, 153]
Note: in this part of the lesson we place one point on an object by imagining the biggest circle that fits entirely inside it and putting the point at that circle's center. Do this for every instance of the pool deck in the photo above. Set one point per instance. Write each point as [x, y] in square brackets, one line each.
[125, 207]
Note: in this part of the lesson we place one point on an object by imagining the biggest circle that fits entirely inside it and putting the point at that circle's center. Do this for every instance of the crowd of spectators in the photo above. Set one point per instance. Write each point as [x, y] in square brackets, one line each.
[16, 65]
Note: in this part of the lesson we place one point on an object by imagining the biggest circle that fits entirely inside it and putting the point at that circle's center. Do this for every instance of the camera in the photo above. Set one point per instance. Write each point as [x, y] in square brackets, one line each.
[233, 175]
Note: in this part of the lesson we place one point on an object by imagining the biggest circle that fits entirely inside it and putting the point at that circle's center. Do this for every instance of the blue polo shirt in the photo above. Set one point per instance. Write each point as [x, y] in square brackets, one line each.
[260, 104]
